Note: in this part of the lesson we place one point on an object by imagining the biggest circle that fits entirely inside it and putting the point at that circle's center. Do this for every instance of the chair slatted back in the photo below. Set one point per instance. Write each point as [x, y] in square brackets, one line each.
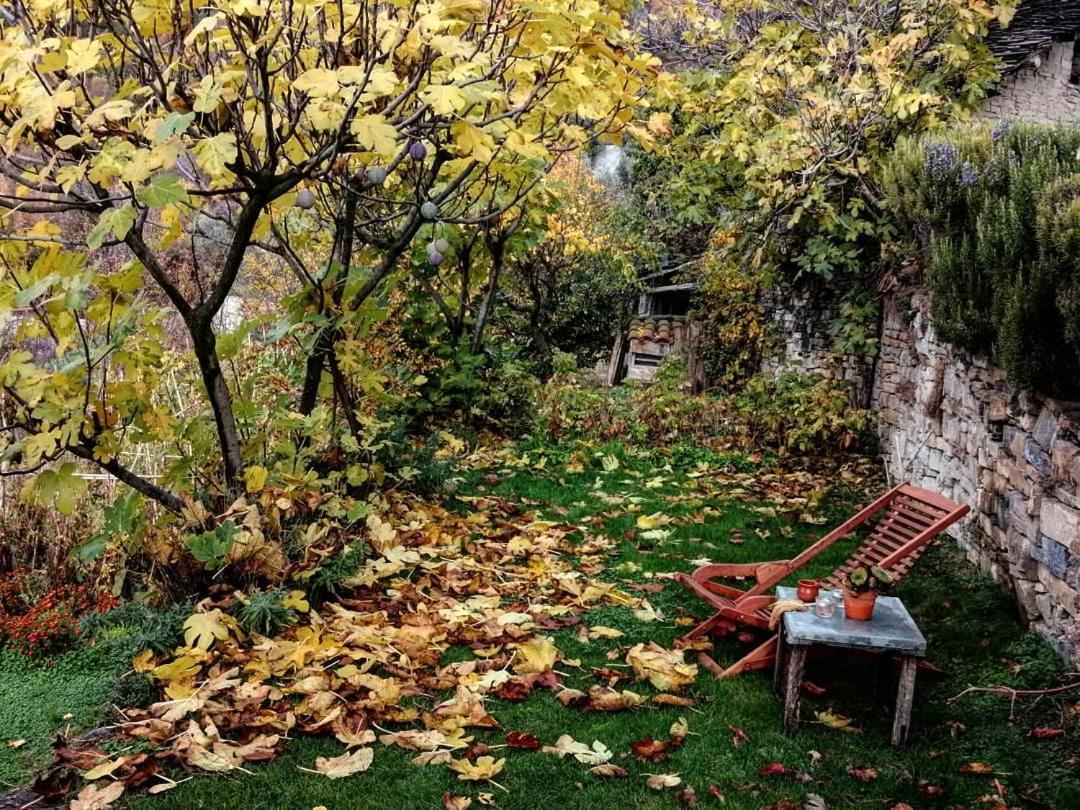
[901, 531]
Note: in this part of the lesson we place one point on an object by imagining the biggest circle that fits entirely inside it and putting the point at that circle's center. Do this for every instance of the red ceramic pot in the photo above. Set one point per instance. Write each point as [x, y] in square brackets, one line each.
[859, 606]
[808, 590]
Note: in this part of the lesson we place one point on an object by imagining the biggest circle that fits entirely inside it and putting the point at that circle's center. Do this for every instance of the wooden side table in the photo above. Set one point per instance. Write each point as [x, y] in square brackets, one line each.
[891, 631]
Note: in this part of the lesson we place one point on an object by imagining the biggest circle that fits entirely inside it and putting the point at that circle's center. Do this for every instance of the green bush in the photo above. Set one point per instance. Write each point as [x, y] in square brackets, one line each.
[996, 215]
[798, 412]
[264, 612]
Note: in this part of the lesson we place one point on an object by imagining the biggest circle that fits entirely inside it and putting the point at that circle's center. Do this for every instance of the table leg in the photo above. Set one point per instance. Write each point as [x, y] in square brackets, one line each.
[781, 661]
[793, 676]
[905, 695]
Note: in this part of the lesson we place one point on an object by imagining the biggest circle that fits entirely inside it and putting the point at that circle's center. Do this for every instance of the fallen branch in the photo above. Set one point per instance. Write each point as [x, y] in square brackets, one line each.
[1013, 694]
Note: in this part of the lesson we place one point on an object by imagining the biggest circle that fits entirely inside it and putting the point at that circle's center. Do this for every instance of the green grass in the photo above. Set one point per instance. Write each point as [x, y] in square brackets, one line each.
[972, 628]
[36, 700]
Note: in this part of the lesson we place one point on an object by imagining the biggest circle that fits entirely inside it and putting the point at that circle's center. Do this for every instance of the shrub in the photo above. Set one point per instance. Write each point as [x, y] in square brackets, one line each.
[996, 215]
[264, 612]
[798, 412]
[37, 621]
[144, 626]
[791, 413]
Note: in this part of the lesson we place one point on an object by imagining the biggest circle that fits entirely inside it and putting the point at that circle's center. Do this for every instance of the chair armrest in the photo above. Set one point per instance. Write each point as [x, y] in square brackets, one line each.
[760, 571]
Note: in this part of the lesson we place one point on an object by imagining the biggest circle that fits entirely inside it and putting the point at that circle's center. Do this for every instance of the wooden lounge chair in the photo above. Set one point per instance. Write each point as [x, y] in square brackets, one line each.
[902, 522]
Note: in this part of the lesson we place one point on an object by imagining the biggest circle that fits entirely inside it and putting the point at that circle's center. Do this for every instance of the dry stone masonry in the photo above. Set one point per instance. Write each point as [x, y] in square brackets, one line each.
[949, 421]
[801, 320]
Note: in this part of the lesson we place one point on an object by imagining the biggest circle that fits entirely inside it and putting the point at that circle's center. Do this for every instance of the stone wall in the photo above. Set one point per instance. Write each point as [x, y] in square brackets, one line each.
[1041, 93]
[801, 321]
[950, 422]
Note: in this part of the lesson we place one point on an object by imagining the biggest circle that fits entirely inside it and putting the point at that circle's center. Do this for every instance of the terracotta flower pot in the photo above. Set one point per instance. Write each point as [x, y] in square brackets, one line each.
[859, 606]
[807, 590]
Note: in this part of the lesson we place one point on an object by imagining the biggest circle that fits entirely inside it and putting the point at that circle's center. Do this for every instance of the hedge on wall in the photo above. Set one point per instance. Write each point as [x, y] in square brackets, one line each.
[995, 214]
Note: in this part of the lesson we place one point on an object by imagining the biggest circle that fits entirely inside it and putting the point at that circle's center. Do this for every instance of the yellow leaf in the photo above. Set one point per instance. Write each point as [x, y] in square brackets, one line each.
[93, 797]
[445, 99]
[143, 662]
[376, 134]
[471, 141]
[104, 769]
[478, 770]
[255, 478]
[664, 669]
[317, 82]
[201, 630]
[535, 656]
[837, 721]
[296, 600]
[83, 55]
[181, 669]
[213, 154]
[663, 781]
[653, 521]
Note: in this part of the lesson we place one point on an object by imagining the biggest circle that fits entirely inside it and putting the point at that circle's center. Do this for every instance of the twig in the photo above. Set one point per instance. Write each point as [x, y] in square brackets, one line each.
[1013, 694]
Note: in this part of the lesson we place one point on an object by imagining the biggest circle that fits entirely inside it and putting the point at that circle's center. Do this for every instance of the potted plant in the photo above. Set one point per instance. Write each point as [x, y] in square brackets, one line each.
[861, 588]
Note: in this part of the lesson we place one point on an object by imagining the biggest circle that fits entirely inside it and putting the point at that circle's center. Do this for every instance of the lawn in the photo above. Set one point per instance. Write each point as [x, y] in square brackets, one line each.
[972, 629]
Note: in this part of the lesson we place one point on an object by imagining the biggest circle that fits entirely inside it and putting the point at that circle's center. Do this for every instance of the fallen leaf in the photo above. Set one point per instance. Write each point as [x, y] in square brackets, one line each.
[609, 770]
[664, 669]
[526, 742]
[976, 768]
[94, 797]
[687, 797]
[537, 655]
[347, 764]
[1039, 733]
[201, 630]
[104, 769]
[482, 769]
[862, 774]
[19, 743]
[663, 781]
[930, 790]
[837, 721]
[451, 802]
[738, 736]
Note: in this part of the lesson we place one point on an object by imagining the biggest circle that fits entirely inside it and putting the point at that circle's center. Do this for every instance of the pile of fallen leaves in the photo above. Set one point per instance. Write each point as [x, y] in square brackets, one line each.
[368, 667]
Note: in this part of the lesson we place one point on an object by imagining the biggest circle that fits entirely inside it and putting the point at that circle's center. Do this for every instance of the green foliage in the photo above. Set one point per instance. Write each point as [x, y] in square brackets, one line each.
[264, 612]
[329, 578]
[736, 334]
[125, 519]
[211, 547]
[995, 214]
[862, 579]
[798, 412]
[146, 627]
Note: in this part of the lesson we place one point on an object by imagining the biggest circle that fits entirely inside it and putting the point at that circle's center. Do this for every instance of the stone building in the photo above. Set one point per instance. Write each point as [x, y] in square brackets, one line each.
[1039, 62]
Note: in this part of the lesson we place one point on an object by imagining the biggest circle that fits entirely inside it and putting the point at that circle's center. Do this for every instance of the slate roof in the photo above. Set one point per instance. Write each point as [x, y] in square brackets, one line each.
[1037, 24]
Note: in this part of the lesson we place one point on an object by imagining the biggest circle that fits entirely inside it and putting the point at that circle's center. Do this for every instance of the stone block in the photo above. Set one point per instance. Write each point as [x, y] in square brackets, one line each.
[1060, 523]
[1054, 556]
[1065, 463]
[1025, 595]
[1036, 456]
[998, 410]
[1046, 429]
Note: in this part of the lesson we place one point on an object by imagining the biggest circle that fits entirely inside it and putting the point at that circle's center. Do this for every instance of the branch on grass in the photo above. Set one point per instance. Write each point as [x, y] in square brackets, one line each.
[1013, 694]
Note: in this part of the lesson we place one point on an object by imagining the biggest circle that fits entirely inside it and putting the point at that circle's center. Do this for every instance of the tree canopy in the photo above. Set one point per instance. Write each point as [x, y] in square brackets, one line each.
[158, 151]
